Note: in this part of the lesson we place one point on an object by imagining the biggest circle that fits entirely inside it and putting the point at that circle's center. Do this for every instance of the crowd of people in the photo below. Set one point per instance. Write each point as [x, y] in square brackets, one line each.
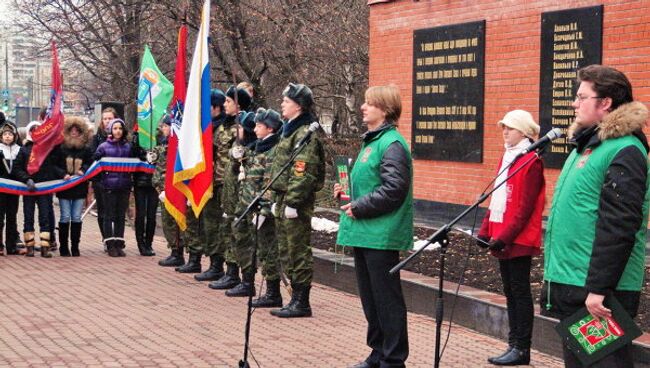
[593, 246]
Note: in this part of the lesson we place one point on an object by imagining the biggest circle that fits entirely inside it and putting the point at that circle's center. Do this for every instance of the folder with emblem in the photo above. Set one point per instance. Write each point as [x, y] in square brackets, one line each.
[592, 340]
[342, 165]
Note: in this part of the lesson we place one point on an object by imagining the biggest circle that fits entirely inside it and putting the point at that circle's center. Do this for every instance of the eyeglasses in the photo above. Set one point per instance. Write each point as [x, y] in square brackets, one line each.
[581, 99]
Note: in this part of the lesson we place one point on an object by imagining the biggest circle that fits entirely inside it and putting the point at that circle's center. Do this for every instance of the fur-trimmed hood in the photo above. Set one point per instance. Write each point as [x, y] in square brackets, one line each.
[624, 120]
[75, 142]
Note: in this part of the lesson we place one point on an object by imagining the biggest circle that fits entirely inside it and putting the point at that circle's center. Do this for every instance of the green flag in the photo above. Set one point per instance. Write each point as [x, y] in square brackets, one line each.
[154, 93]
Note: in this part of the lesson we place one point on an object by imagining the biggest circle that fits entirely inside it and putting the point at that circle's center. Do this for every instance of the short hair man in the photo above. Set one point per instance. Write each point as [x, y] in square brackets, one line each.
[595, 237]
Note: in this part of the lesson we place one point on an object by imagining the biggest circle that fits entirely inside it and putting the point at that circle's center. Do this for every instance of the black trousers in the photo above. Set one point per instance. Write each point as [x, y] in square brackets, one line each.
[44, 203]
[146, 204]
[515, 274]
[8, 214]
[115, 213]
[98, 191]
[383, 305]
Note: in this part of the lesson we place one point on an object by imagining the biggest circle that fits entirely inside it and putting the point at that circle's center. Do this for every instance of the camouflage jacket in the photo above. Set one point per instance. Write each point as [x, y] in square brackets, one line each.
[223, 138]
[257, 175]
[234, 170]
[158, 179]
[306, 176]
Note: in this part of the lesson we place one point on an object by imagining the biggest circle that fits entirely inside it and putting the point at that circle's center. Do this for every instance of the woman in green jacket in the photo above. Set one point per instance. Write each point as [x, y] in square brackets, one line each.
[378, 223]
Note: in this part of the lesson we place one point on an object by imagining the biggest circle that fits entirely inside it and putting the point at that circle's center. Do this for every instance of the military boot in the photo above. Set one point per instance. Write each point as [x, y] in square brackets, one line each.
[30, 242]
[193, 264]
[215, 272]
[45, 244]
[75, 238]
[175, 259]
[246, 287]
[229, 280]
[64, 230]
[299, 304]
[272, 298]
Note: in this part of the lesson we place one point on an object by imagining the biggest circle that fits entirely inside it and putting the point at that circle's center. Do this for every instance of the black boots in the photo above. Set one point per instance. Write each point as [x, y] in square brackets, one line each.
[245, 288]
[193, 264]
[215, 272]
[114, 247]
[272, 298]
[75, 238]
[299, 304]
[144, 247]
[64, 230]
[175, 259]
[513, 356]
[229, 280]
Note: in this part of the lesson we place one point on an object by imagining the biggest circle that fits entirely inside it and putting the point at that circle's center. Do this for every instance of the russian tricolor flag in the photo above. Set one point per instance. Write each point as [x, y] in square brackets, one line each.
[193, 170]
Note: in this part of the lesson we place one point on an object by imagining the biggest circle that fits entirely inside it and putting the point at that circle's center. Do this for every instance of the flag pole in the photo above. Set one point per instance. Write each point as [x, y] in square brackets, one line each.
[150, 122]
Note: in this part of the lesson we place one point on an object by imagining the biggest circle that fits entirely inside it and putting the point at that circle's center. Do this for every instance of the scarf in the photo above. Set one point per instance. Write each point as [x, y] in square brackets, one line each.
[499, 198]
[10, 153]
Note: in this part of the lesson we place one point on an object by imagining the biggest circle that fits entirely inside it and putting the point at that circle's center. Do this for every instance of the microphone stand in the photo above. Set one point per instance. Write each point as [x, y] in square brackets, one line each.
[255, 205]
[441, 236]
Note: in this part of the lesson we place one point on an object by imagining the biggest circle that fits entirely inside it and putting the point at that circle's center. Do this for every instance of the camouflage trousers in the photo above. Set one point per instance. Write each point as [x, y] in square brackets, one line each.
[211, 220]
[267, 250]
[170, 229]
[244, 246]
[192, 238]
[294, 247]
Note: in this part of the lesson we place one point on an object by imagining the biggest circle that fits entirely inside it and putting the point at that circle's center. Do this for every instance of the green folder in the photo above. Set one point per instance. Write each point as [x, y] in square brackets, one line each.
[590, 341]
[342, 165]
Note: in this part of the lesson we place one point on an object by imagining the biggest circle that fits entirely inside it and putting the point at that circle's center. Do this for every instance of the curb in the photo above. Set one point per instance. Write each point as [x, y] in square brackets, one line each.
[476, 309]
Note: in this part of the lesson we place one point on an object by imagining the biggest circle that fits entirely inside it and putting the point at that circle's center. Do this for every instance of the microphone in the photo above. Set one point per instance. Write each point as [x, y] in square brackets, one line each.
[312, 128]
[552, 135]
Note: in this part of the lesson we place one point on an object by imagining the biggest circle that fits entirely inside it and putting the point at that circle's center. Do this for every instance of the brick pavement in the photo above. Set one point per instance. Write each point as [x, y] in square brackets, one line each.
[97, 311]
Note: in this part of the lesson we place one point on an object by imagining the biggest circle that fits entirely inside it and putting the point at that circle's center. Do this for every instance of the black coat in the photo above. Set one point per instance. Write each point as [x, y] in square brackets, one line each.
[49, 170]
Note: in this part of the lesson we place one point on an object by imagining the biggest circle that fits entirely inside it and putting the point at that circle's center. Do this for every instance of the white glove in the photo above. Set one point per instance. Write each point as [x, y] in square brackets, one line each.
[161, 196]
[259, 218]
[151, 157]
[290, 212]
[225, 215]
[273, 208]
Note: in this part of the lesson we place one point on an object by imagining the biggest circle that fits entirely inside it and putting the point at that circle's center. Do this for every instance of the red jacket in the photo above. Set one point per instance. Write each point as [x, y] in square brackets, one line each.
[521, 229]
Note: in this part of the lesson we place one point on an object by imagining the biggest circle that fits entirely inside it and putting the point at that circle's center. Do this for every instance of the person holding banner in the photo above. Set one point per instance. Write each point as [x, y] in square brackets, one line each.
[595, 241]
[512, 229]
[76, 158]
[295, 195]
[378, 224]
[9, 150]
[117, 187]
[49, 170]
[108, 115]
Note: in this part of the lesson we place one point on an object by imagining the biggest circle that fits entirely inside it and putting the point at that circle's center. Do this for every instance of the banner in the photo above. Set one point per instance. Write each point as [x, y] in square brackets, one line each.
[154, 93]
[50, 133]
[116, 164]
[193, 168]
[175, 201]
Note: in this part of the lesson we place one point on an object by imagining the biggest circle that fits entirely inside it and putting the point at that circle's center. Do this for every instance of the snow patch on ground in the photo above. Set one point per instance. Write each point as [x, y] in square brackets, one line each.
[325, 225]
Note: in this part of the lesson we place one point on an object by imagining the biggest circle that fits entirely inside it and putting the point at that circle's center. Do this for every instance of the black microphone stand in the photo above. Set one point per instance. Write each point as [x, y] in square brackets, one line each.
[441, 237]
[255, 205]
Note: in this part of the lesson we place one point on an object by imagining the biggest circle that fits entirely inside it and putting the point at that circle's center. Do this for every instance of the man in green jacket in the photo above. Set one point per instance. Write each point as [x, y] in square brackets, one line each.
[594, 246]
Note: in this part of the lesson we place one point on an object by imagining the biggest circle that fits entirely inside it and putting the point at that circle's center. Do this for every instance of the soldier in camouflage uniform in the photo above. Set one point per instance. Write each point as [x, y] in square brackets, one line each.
[295, 192]
[237, 100]
[211, 216]
[193, 239]
[169, 225]
[258, 172]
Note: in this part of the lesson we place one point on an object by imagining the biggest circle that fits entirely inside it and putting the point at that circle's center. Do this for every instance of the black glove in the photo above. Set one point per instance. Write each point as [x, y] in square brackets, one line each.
[497, 245]
[483, 241]
[30, 185]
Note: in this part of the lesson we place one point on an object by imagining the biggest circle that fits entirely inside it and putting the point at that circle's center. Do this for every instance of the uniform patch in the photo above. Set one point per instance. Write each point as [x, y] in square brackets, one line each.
[584, 158]
[299, 168]
[366, 154]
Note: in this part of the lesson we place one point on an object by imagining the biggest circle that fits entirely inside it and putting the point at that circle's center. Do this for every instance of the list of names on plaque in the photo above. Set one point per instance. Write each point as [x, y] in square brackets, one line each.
[448, 87]
[571, 39]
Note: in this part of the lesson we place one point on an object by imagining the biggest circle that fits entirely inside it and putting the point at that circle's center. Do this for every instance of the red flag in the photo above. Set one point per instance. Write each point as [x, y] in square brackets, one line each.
[50, 133]
[175, 201]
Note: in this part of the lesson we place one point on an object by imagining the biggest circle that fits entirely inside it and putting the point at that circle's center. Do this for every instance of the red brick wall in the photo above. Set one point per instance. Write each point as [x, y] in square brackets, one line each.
[512, 58]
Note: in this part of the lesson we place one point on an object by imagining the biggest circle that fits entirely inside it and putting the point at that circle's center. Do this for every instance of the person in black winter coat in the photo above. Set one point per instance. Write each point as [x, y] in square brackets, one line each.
[108, 114]
[8, 202]
[146, 201]
[76, 158]
[49, 170]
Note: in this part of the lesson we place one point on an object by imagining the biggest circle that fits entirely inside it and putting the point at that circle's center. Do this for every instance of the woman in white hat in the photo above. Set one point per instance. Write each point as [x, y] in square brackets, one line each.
[512, 229]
